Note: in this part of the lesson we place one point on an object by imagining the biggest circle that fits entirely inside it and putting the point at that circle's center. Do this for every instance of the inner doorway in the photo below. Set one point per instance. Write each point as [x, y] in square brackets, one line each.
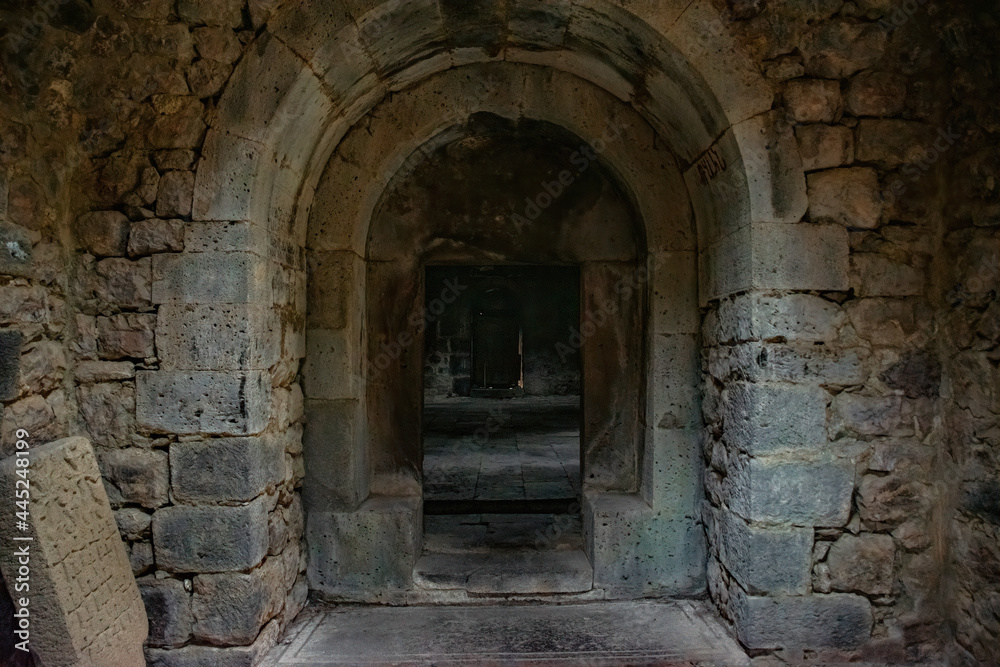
[501, 431]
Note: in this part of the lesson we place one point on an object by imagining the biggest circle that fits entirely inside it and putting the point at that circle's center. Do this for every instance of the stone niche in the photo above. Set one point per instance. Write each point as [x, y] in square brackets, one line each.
[507, 193]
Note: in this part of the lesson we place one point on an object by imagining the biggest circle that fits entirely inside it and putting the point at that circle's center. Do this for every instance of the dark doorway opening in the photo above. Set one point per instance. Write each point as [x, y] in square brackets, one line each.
[501, 424]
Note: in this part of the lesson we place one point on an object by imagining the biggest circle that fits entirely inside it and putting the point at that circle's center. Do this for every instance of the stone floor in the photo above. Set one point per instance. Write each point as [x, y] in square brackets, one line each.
[603, 633]
[502, 449]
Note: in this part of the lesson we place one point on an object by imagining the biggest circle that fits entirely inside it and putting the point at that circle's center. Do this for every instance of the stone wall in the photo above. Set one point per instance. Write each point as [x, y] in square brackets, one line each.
[850, 405]
[96, 207]
[968, 319]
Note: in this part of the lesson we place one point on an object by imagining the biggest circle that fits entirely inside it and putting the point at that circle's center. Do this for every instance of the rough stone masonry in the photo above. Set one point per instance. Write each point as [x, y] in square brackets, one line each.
[186, 191]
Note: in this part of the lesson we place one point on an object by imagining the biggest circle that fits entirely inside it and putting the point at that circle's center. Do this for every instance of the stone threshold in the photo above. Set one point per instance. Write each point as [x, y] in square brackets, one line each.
[644, 632]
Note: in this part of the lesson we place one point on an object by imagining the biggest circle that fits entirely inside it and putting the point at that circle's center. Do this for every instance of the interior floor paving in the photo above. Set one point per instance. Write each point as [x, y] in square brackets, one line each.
[502, 449]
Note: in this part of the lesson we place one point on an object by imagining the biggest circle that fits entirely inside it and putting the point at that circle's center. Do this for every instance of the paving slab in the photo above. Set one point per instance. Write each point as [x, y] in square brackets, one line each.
[601, 633]
[493, 449]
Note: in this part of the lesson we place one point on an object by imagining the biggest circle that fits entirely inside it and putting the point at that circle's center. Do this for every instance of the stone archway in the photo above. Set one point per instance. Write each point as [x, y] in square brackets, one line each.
[654, 509]
[320, 70]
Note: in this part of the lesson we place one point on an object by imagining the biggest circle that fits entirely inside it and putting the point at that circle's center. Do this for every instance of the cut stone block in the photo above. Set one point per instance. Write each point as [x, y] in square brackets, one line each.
[765, 560]
[211, 277]
[135, 475]
[169, 607]
[191, 402]
[770, 418]
[230, 608]
[217, 337]
[638, 551]
[336, 464]
[850, 197]
[802, 493]
[210, 539]
[810, 621]
[366, 554]
[225, 469]
[84, 605]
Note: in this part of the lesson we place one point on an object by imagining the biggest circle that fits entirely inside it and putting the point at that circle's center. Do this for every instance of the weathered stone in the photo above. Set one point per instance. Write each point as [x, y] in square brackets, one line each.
[811, 621]
[85, 606]
[792, 317]
[814, 100]
[103, 233]
[108, 411]
[877, 275]
[796, 363]
[206, 78]
[140, 557]
[34, 414]
[865, 415]
[883, 322]
[21, 304]
[168, 606]
[175, 195]
[88, 372]
[189, 402]
[802, 493]
[625, 537]
[174, 159]
[889, 500]
[784, 68]
[210, 656]
[226, 13]
[124, 283]
[222, 337]
[765, 560]
[152, 236]
[133, 523]
[876, 94]
[43, 366]
[372, 547]
[917, 374]
[170, 40]
[10, 360]
[135, 475]
[149, 184]
[763, 419]
[862, 564]
[126, 336]
[847, 196]
[825, 146]
[229, 609]
[211, 277]
[226, 469]
[912, 535]
[837, 49]
[210, 539]
[217, 44]
[890, 143]
[180, 124]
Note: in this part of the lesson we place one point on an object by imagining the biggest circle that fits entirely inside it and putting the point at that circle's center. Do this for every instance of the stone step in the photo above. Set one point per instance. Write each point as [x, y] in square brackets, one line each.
[513, 572]
[601, 633]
